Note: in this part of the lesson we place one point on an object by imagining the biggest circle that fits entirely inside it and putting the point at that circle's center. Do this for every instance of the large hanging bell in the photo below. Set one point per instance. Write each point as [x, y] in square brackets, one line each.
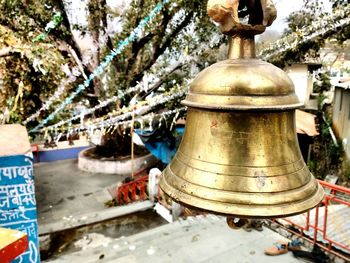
[239, 154]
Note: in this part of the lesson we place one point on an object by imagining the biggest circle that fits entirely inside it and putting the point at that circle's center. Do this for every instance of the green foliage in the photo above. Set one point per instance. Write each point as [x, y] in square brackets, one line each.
[346, 170]
[325, 154]
[322, 83]
[311, 11]
[320, 86]
[36, 65]
[181, 27]
[304, 23]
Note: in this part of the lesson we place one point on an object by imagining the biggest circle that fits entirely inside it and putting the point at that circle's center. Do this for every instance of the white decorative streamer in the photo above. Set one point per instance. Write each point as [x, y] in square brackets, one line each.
[322, 26]
[159, 100]
[134, 35]
[61, 89]
[143, 85]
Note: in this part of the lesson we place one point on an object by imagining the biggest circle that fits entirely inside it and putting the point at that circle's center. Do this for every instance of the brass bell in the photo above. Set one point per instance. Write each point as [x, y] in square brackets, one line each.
[239, 154]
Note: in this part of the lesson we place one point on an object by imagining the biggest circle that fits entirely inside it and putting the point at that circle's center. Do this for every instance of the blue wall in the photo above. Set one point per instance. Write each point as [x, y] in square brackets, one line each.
[59, 154]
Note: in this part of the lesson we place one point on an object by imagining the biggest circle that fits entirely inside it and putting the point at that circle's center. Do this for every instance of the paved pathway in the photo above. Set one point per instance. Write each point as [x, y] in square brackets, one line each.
[67, 197]
[193, 240]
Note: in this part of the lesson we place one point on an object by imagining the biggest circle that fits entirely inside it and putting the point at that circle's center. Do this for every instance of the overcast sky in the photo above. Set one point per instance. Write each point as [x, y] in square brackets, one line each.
[285, 7]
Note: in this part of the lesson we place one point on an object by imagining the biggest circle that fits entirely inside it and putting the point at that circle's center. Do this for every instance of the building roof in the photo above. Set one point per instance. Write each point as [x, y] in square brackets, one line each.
[342, 83]
[305, 123]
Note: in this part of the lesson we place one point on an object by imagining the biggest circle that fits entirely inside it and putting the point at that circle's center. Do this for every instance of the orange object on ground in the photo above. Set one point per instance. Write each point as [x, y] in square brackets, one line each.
[279, 249]
[12, 244]
[283, 247]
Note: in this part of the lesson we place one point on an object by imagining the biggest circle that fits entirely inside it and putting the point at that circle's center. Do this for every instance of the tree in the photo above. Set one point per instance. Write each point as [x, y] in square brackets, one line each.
[325, 154]
[181, 28]
[181, 25]
[307, 32]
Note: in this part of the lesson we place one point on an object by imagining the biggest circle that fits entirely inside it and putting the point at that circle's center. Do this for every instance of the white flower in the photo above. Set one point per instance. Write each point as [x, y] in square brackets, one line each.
[49, 26]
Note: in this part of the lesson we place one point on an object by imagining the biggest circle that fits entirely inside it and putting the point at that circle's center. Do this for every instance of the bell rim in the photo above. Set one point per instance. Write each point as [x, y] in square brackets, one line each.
[203, 191]
[244, 210]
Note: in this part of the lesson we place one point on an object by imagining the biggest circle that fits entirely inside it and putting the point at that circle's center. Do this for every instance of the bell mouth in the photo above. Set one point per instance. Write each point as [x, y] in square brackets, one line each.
[249, 210]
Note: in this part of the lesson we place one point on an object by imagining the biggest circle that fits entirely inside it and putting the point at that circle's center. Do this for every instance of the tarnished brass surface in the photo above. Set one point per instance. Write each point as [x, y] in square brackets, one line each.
[242, 84]
[261, 13]
[245, 164]
[239, 154]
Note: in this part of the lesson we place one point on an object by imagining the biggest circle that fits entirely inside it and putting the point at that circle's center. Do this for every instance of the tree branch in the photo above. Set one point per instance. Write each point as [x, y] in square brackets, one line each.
[7, 51]
[158, 84]
[65, 21]
[138, 47]
[169, 39]
[159, 50]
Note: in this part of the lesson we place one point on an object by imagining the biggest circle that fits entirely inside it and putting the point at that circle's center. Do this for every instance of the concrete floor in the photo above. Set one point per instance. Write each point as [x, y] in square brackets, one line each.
[201, 239]
[67, 197]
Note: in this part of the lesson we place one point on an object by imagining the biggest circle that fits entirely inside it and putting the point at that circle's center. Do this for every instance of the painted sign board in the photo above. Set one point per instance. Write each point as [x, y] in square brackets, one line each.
[17, 192]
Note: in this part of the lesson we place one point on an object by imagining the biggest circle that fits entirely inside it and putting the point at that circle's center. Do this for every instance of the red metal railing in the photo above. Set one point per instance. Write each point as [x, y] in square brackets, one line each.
[35, 149]
[133, 191]
[330, 244]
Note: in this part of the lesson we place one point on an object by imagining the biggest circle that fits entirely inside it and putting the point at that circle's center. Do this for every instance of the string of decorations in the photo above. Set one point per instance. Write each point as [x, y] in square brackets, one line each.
[140, 108]
[151, 116]
[55, 22]
[101, 68]
[142, 85]
[322, 26]
[156, 101]
[92, 110]
[127, 123]
[72, 76]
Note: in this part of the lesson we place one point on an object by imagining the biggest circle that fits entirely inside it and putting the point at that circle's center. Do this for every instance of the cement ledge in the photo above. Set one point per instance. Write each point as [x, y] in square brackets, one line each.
[84, 219]
[121, 167]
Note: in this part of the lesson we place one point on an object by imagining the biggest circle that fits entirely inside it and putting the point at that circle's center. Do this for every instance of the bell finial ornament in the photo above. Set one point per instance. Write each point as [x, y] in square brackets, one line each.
[239, 155]
[229, 12]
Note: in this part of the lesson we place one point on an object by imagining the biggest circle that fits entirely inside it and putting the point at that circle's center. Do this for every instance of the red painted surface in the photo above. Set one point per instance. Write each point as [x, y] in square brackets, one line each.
[12, 248]
[133, 191]
[35, 149]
